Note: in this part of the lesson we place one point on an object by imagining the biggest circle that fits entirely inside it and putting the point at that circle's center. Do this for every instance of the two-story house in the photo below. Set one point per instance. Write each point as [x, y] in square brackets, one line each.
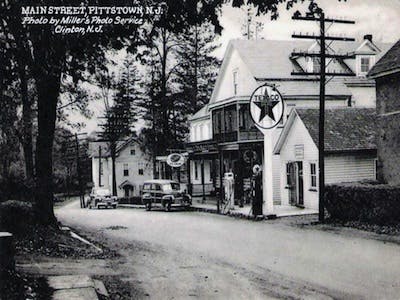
[132, 167]
[234, 143]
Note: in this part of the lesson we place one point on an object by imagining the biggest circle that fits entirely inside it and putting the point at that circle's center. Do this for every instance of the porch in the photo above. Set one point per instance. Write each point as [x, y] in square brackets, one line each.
[210, 205]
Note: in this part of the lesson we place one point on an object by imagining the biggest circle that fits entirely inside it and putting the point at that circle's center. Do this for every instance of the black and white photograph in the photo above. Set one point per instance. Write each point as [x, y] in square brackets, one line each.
[199, 149]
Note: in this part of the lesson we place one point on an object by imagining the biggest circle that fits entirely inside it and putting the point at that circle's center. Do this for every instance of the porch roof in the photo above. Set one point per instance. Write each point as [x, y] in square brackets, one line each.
[346, 129]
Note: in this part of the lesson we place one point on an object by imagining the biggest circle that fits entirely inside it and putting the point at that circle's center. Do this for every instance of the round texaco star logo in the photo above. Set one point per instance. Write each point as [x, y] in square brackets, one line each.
[266, 106]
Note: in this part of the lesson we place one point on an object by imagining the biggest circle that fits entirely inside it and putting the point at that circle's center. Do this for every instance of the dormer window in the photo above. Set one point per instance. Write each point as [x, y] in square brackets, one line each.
[364, 64]
[235, 82]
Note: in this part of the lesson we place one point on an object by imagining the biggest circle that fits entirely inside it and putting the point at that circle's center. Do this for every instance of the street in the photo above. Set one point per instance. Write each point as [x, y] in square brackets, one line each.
[181, 254]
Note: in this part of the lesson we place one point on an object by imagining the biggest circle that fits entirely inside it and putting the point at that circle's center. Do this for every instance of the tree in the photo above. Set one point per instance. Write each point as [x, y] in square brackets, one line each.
[49, 55]
[122, 114]
[198, 67]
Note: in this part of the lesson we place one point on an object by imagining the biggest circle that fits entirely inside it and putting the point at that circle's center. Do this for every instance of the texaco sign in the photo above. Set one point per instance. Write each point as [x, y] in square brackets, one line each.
[266, 106]
[175, 160]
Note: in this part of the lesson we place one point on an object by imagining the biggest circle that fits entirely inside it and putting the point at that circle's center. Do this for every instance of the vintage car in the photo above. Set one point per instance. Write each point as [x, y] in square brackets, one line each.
[165, 194]
[102, 198]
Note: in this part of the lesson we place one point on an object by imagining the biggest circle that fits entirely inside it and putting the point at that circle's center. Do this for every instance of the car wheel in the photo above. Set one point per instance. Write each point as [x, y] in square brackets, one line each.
[148, 206]
[114, 206]
[167, 206]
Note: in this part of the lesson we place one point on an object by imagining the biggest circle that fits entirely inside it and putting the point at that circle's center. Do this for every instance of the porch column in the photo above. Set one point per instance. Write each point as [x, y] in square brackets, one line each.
[268, 202]
[202, 178]
[239, 178]
[221, 188]
[189, 177]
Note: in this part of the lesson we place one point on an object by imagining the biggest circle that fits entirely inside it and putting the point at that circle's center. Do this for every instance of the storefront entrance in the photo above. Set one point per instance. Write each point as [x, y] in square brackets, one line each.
[294, 172]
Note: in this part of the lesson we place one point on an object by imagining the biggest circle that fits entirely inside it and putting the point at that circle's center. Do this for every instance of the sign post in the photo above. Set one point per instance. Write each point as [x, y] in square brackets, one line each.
[266, 110]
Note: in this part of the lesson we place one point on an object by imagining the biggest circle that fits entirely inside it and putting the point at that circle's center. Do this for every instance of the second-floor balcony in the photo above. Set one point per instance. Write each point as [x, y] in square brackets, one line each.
[233, 123]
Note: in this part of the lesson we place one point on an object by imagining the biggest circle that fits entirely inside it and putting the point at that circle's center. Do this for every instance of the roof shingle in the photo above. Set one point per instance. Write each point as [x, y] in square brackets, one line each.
[389, 62]
[346, 129]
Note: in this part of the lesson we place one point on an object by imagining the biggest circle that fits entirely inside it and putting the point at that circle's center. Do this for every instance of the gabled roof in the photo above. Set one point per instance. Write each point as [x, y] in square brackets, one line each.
[94, 147]
[268, 58]
[346, 129]
[201, 113]
[388, 64]
[272, 59]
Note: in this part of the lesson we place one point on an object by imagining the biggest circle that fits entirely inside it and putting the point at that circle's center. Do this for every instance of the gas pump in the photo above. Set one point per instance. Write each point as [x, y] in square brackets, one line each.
[258, 195]
[229, 189]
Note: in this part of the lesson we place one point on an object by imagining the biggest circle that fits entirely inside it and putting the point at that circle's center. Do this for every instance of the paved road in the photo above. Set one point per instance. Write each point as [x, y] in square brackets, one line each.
[180, 255]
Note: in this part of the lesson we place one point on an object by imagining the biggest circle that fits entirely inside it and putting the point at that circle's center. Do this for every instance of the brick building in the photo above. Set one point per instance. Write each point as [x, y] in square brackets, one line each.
[386, 73]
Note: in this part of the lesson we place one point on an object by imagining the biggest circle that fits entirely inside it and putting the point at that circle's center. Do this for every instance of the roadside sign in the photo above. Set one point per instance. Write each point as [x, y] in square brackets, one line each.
[175, 160]
[266, 106]
[256, 169]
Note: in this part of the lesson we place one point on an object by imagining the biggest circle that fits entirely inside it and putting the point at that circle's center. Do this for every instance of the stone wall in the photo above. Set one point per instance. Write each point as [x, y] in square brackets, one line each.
[388, 134]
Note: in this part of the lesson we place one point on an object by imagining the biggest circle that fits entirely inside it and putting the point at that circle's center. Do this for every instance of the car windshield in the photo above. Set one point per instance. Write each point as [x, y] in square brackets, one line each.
[102, 192]
[176, 186]
[173, 186]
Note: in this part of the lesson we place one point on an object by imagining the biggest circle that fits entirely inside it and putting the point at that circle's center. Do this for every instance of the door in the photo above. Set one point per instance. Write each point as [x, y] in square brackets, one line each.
[294, 172]
[291, 182]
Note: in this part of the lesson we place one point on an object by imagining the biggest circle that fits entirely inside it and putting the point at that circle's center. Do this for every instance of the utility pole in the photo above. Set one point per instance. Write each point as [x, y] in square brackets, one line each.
[100, 166]
[78, 169]
[319, 16]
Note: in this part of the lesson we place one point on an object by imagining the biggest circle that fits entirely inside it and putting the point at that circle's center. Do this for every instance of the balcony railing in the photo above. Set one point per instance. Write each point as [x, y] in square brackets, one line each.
[225, 137]
[248, 135]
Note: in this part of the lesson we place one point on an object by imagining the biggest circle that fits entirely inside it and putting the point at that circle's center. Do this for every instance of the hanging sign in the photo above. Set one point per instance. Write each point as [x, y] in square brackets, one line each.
[266, 106]
[249, 156]
[256, 169]
[175, 160]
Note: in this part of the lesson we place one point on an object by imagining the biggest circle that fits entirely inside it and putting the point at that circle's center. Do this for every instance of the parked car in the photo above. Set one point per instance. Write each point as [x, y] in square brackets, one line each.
[165, 194]
[102, 198]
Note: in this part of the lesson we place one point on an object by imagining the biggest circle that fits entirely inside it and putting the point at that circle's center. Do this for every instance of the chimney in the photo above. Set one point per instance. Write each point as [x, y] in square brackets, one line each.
[368, 37]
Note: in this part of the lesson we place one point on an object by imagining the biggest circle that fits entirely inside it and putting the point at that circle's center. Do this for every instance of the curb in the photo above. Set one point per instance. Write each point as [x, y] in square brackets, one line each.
[80, 287]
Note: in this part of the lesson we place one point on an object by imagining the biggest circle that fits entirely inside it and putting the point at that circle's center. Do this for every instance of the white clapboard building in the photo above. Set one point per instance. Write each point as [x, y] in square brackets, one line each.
[223, 137]
[132, 167]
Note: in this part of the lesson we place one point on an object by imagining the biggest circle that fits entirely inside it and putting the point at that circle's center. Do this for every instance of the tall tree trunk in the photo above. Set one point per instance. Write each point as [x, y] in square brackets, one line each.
[48, 65]
[48, 91]
[27, 140]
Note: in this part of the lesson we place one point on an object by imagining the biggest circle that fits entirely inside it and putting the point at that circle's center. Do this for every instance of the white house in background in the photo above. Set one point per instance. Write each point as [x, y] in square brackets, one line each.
[350, 148]
[223, 131]
[132, 167]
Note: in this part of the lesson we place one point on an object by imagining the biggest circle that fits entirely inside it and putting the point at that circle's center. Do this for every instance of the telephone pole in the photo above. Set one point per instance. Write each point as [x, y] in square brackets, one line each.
[323, 54]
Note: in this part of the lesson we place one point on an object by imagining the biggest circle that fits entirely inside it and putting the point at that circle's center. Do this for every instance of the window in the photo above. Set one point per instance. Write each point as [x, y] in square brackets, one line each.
[126, 170]
[141, 168]
[235, 82]
[365, 64]
[242, 113]
[313, 174]
[196, 172]
[288, 178]
[133, 151]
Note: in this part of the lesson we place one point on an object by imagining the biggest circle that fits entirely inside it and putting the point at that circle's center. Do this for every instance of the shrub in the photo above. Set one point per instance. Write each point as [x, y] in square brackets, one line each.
[16, 216]
[130, 200]
[365, 202]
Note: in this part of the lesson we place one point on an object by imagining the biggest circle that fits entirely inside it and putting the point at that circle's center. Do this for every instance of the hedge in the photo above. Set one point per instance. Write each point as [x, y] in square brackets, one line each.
[130, 200]
[365, 202]
[16, 216]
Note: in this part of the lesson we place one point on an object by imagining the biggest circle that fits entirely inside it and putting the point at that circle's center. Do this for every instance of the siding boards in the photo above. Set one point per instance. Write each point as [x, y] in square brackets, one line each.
[349, 168]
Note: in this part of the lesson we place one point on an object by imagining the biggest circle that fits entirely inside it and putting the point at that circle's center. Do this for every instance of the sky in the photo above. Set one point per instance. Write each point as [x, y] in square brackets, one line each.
[381, 18]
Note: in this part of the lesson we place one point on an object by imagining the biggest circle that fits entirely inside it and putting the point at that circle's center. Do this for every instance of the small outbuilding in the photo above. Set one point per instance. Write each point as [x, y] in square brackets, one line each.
[350, 151]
